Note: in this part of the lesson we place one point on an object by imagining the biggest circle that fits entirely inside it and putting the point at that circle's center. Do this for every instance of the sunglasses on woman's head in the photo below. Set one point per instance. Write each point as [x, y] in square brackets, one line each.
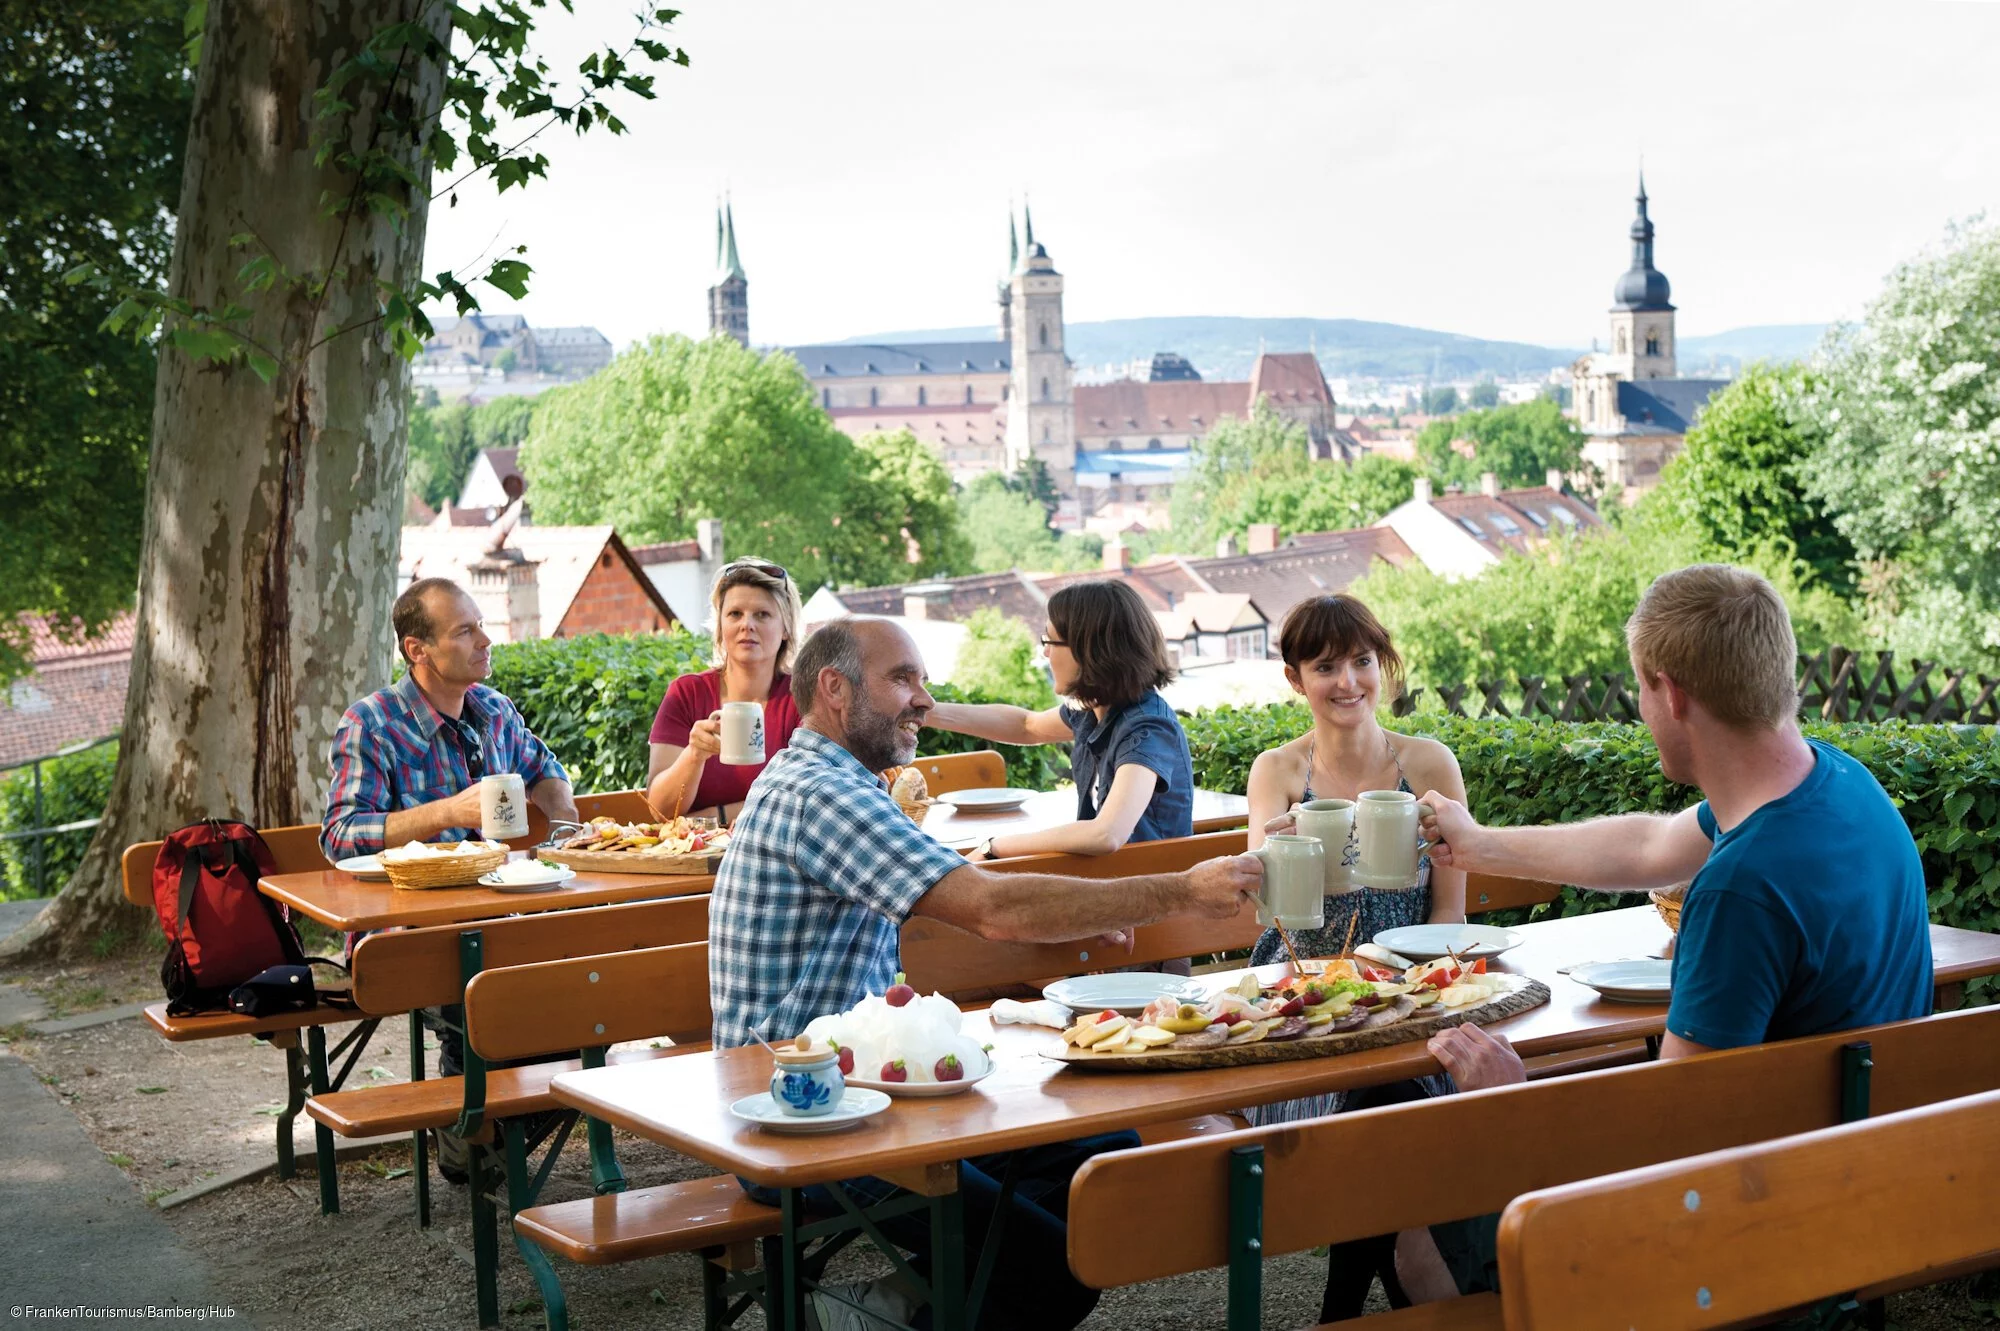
[768, 569]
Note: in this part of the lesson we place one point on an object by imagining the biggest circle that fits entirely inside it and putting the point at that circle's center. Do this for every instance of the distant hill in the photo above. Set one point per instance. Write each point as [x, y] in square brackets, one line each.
[1740, 346]
[1224, 347]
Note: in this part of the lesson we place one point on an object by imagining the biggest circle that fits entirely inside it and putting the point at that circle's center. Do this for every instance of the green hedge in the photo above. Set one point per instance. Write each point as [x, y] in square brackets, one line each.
[1945, 779]
[74, 788]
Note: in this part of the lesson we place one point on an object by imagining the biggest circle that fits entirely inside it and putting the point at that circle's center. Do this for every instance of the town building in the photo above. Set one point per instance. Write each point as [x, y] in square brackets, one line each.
[1460, 535]
[74, 692]
[1630, 401]
[1113, 449]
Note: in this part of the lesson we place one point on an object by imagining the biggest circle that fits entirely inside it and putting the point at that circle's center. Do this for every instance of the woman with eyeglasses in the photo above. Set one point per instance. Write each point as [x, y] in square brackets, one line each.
[756, 626]
[1128, 755]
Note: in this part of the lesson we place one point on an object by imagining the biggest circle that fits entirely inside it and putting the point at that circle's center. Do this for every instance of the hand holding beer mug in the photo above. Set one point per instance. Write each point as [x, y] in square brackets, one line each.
[742, 733]
[503, 806]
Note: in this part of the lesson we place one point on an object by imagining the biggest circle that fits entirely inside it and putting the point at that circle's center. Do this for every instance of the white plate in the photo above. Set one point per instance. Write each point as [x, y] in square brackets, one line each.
[1428, 942]
[1648, 981]
[367, 868]
[552, 878]
[921, 1089]
[857, 1104]
[1123, 991]
[988, 799]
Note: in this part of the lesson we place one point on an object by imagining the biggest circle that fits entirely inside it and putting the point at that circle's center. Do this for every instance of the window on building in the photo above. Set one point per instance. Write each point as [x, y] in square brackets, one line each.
[1045, 334]
[874, 397]
[1471, 526]
[1153, 445]
[968, 392]
[1507, 525]
[1045, 390]
[1047, 436]
[1564, 516]
[1621, 341]
[1535, 517]
[826, 397]
[923, 397]
[1652, 344]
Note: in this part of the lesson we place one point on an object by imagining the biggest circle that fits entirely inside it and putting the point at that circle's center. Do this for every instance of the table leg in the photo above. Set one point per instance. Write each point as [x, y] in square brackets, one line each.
[295, 1100]
[329, 1181]
[790, 1295]
[420, 1139]
[948, 1260]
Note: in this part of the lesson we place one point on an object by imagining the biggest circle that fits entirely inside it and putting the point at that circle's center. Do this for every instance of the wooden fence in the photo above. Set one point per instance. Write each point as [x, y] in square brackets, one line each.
[1835, 685]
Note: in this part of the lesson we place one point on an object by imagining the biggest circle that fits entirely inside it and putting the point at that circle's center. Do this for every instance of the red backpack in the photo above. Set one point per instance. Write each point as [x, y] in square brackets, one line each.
[220, 929]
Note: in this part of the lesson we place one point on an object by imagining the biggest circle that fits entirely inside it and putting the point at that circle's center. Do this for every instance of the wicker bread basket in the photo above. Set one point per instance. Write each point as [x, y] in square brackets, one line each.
[458, 870]
[1668, 903]
[916, 809]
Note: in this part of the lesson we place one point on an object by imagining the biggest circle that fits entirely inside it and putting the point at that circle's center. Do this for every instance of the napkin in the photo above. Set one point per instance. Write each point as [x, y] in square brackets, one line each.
[1041, 1012]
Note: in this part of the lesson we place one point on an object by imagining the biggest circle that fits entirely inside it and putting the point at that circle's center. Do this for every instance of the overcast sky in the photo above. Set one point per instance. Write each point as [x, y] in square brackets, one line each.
[1459, 166]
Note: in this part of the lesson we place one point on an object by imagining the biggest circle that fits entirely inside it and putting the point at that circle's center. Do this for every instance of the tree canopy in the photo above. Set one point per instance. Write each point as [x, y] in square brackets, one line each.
[1008, 527]
[1000, 660]
[446, 438]
[94, 104]
[1736, 488]
[1909, 463]
[1518, 443]
[899, 517]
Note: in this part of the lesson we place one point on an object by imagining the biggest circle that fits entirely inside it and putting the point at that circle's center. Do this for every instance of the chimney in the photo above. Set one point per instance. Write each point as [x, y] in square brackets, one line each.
[1117, 556]
[1555, 479]
[708, 540]
[508, 594]
[1262, 538]
[1489, 484]
[1225, 546]
[1423, 489]
[927, 600]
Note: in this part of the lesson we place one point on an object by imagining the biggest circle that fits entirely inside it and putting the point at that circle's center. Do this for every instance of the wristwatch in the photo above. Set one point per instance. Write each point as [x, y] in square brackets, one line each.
[984, 850]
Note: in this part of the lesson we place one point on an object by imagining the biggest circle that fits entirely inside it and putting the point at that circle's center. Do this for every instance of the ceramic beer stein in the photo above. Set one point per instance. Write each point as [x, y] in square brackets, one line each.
[1294, 888]
[1332, 821]
[742, 733]
[1385, 829]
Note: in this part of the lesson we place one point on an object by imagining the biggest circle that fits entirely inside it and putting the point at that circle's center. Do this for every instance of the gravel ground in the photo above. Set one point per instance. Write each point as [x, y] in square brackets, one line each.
[174, 1115]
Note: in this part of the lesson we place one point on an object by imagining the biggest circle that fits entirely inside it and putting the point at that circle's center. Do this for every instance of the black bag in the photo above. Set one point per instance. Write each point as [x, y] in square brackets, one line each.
[283, 989]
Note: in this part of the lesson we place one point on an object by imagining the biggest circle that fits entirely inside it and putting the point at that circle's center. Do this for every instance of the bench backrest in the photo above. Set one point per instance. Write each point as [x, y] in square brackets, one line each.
[1384, 1170]
[627, 806]
[293, 849]
[1137, 857]
[1485, 891]
[550, 1006]
[981, 769]
[1749, 1232]
[402, 970]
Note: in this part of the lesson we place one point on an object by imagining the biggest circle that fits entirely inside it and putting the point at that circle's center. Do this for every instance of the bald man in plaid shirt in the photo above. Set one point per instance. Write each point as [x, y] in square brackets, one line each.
[822, 870]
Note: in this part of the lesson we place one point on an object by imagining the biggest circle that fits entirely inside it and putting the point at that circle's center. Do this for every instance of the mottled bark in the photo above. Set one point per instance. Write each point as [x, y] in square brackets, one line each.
[273, 509]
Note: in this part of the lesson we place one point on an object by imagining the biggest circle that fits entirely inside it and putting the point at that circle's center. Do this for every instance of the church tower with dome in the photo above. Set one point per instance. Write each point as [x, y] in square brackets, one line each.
[1630, 401]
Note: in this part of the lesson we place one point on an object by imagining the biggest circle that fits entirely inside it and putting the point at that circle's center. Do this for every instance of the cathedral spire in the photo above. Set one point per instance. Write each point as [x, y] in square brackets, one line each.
[1013, 241]
[1642, 287]
[1028, 219]
[726, 261]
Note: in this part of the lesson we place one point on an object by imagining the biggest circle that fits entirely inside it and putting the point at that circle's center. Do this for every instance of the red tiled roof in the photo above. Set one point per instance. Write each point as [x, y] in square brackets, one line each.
[76, 693]
[667, 552]
[1505, 523]
[1012, 594]
[1174, 406]
[1331, 562]
[1288, 377]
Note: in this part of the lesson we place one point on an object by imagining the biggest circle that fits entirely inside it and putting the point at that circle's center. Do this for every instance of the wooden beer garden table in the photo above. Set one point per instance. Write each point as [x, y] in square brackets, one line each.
[1214, 811]
[1030, 1100]
[342, 901]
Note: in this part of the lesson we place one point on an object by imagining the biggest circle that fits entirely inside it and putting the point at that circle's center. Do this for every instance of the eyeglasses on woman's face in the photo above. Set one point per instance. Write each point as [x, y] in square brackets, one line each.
[1048, 642]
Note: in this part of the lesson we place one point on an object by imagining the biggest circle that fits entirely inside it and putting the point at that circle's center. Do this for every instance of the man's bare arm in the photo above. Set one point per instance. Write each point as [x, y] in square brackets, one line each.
[1629, 852]
[1046, 908]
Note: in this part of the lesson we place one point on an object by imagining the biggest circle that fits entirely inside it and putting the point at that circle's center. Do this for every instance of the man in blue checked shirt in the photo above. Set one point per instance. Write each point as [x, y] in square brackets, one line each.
[407, 760]
[822, 870]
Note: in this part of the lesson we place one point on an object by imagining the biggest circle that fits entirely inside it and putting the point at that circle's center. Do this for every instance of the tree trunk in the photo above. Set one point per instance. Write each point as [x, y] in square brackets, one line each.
[273, 510]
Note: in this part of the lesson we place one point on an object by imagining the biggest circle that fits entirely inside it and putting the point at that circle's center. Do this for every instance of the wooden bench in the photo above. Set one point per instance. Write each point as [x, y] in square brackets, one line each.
[293, 850]
[627, 806]
[1758, 1230]
[1265, 1191]
[403, 971]
[588, 1003]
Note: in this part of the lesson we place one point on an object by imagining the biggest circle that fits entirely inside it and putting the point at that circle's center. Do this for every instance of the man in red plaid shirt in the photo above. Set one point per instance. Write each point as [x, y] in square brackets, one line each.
[407, 760]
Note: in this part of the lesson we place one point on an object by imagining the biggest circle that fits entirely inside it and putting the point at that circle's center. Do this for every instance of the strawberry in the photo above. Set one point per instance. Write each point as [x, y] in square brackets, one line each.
[949, 1069]
[894, 1070]
[899, 993]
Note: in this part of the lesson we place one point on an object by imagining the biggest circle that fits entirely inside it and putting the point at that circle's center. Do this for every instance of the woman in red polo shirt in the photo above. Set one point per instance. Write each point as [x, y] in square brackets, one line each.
[756, 631]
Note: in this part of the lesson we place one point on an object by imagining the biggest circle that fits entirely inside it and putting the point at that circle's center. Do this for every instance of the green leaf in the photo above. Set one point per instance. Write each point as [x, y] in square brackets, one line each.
[152, 1090]
[511, 276]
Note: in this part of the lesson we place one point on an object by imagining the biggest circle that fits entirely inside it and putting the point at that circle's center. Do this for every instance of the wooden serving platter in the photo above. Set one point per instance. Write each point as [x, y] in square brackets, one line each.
[626, 861]
[1420, 1025]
